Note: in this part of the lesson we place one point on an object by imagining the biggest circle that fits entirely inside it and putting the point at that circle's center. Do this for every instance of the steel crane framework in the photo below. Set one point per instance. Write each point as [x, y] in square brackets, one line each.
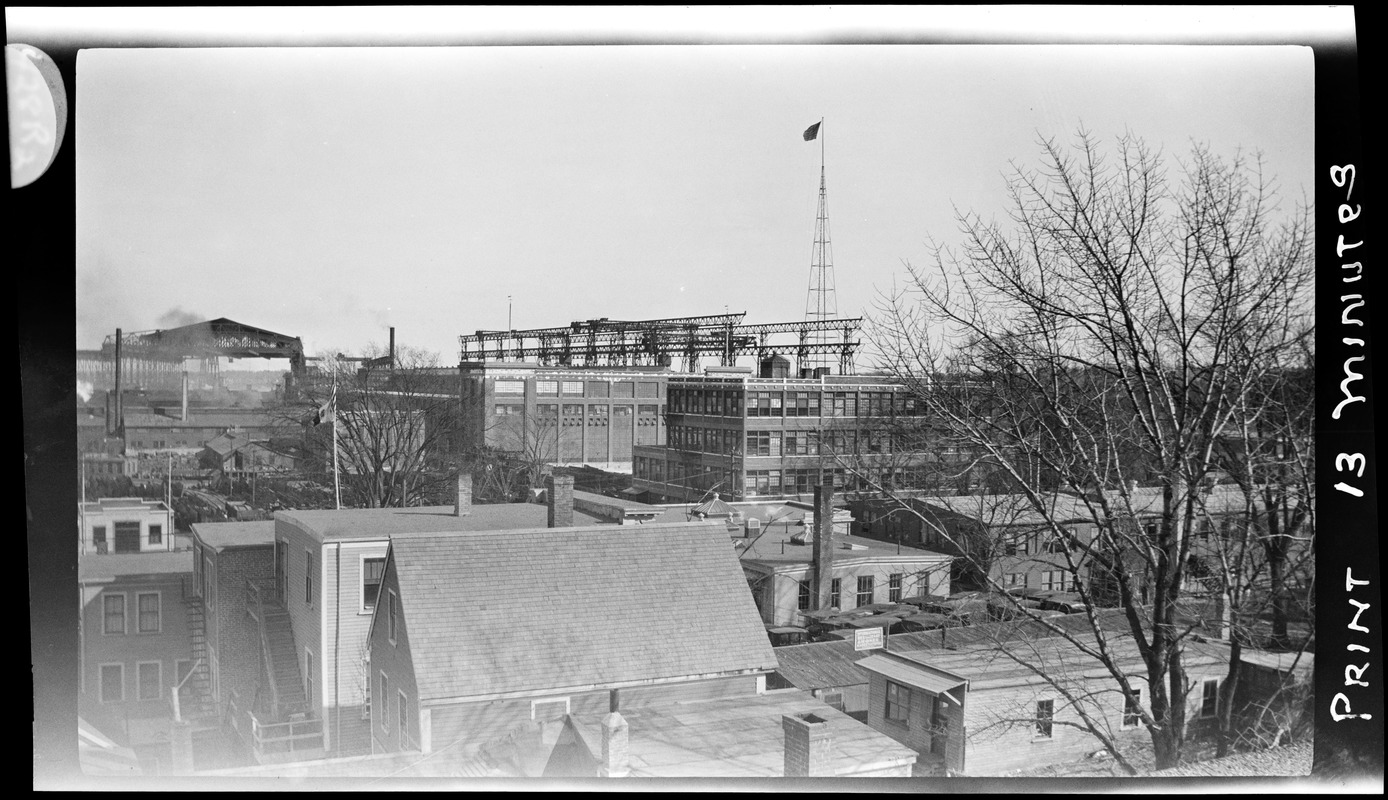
[658, 342]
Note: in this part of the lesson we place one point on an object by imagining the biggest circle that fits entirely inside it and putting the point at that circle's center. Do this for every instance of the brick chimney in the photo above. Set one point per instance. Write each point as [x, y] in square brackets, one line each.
[560, 491]
[462, 503]
[615, 763]
[822, 555]
[808, 746]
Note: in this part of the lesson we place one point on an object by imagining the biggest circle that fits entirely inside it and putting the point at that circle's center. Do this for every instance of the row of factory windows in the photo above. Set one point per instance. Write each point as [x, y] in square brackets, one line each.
[548, 388]
[730, 403]
[773, 482]
[553, 410]
[717, 441]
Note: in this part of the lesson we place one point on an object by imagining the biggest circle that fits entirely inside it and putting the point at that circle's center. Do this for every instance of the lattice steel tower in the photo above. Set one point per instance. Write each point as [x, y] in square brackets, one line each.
[820, 305]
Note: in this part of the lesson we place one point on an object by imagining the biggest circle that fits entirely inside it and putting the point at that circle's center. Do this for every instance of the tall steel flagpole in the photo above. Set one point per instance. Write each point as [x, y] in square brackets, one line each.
[337, 483]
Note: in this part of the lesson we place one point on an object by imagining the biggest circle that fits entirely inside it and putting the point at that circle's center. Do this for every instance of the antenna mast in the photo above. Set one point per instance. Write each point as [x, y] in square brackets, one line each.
[820, 304]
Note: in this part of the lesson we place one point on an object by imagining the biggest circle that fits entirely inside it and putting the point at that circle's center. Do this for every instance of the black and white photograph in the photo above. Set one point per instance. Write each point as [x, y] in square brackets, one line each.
[458, 396]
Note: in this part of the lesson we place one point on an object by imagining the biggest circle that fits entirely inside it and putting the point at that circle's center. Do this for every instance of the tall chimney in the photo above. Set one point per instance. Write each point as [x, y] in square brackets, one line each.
[807, 746]
[392, 348]
[120, 408]
[110, 415]
[184, 414]
[615, 763]
[561, 500]
[822, 555]
[462, 503]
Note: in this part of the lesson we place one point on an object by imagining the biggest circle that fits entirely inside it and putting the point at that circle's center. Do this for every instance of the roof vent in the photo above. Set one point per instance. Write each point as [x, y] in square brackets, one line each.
[853, 546]
[802, 537]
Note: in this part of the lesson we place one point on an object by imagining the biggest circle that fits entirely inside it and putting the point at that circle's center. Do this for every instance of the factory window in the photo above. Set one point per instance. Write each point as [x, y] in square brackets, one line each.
[865, 590]
[648, 410]
[547, 388]
[1045, 714]
[598, 410]
[573, 409]
[598, 388]
[773, 480]
[510, 387]
[509, 409]
[621, 411]
[898, 703]
[834, 592]
[802, 601]
[647, 389]
[894, 587]
[547, 410]
[623, 389]
[845, 404]
[574, 388]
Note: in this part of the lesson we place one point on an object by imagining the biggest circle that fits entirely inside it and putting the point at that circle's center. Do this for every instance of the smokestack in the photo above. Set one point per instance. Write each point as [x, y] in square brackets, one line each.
[109, 415]
[560, 489]
[807, 746]
[462, 504]
[392, 348]
[183, 415]
[822, 556]
[615, 763]
[120, 409]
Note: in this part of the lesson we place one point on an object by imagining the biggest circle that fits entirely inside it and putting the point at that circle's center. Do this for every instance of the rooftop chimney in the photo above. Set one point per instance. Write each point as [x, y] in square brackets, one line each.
[615, 763]
[808, 746]
[560, 491]
[462, 503]
[183, 414]
[822, 556]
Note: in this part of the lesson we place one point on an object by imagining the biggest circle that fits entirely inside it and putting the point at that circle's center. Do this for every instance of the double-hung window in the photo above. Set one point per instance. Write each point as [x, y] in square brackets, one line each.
[894, 587]
[308, 577]
[1209, 697]
[147, 606]
[372, 571]
[835, 586]
[802, 602]
[390, 615]
[1045, 716]
[113, 607]
[1132, 708]
[865, 590]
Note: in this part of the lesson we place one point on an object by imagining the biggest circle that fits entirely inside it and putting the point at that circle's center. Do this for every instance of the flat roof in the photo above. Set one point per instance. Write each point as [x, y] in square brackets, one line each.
[742, 737]
[230, 535]
[107, 567]
[106, 504]
[774, 548]
[380, 523]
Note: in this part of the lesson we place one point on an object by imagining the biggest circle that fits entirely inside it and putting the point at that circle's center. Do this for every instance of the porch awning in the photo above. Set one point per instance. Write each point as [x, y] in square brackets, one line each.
[918, 676]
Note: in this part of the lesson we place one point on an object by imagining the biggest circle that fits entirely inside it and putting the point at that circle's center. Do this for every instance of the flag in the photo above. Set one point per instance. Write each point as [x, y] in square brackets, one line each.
[812, 132]
[325, 412]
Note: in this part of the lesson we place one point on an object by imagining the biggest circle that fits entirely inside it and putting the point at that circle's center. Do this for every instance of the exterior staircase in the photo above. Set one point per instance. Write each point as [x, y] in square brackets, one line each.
[195, 698]
[282, 662]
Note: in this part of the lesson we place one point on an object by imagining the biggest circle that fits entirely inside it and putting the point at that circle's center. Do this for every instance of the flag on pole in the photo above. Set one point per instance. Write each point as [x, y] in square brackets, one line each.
[326, 411]
[812, 132]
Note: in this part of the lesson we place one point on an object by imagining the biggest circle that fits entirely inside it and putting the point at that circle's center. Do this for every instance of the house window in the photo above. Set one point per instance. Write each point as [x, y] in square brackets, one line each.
[308, 676]
[834, 586]
[894, 587]
[403, 712]
[898, 703]
[372, 571]
[390, 615]
[149, 677]
[114, 607]
[308, 578]
[1054, 580]
[803, 596]
[1012, 579]
[385, 702]
[1045, 714]
[865, 587]
[182, 668]
[112, 683]
[99, 537]
[148, 613]
[1209, 697]
[156, 534]
[1132, 708]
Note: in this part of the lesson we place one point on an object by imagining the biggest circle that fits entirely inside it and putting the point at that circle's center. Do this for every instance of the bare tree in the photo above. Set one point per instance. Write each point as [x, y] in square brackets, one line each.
[1112, 330]
[397, 437]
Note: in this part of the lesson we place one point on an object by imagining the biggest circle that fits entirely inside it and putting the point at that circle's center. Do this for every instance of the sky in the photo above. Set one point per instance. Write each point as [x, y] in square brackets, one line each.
[330, 193]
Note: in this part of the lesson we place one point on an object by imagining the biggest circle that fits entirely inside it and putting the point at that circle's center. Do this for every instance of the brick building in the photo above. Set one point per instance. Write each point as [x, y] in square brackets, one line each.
[565, 415]
[778, 437]
[125, 525]
[135, 645]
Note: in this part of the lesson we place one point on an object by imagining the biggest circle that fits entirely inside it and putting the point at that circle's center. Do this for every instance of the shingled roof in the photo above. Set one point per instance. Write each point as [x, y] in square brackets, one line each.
[638, 603]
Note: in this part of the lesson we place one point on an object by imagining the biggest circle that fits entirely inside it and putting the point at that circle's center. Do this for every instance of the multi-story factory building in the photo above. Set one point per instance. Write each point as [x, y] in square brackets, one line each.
[565, 415]
[773, 436]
